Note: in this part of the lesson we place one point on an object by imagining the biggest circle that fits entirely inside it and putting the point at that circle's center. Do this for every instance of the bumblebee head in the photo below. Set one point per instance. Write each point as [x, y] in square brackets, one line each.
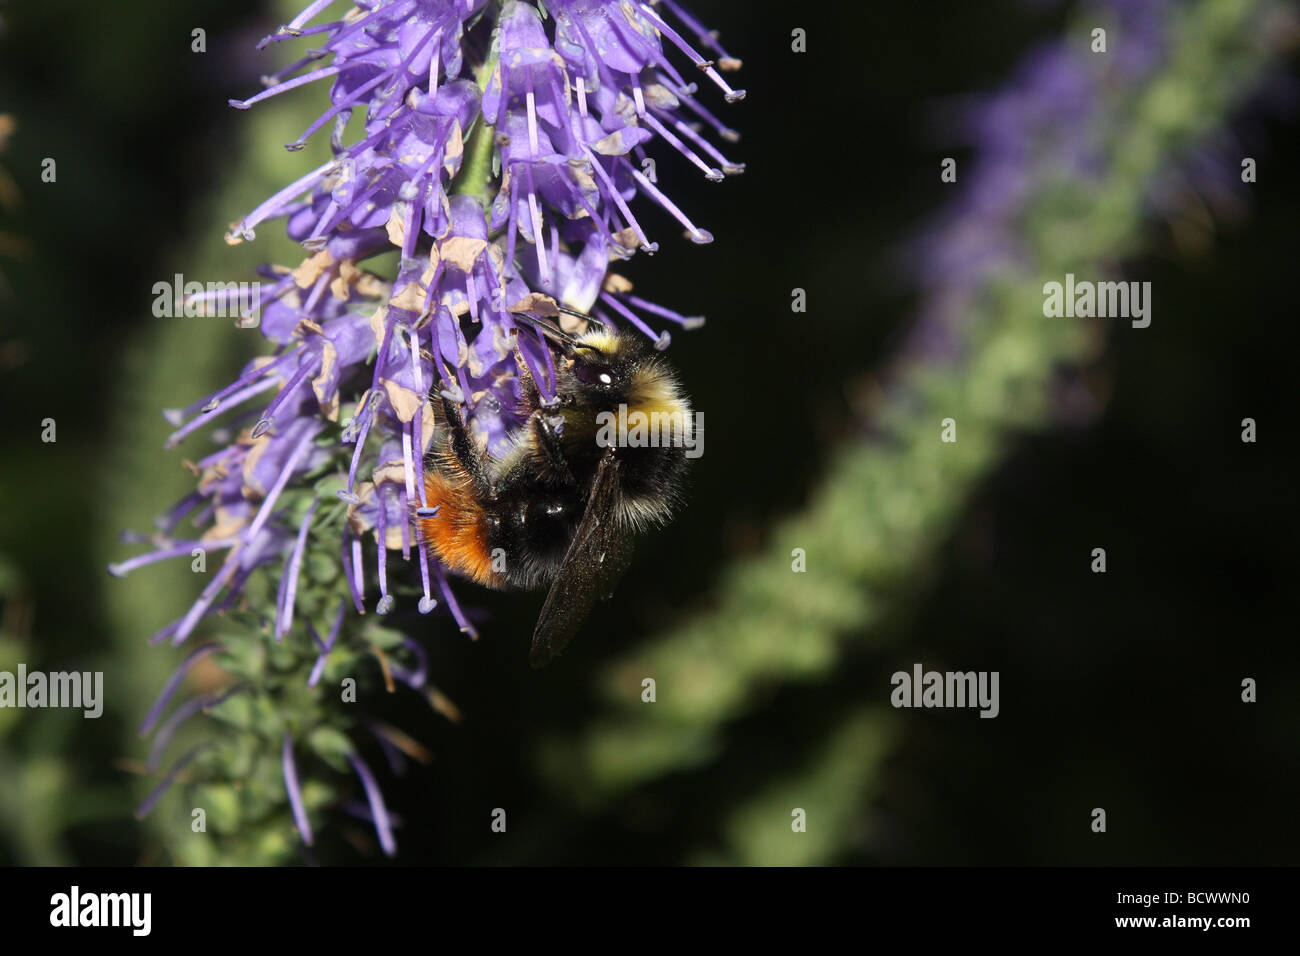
[613, 369]
[603, 361]
[606, 368]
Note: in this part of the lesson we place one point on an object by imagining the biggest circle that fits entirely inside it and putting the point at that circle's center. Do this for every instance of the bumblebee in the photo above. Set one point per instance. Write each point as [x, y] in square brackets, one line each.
[560, 507]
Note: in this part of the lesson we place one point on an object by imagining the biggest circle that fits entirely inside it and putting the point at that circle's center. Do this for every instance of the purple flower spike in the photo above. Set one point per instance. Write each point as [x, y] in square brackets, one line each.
[284, 617]
[174, 682]
[168, 779]
[488, 128]
[178, 717]
[378, 811]
[326, 645]
[502, 153]
[295, 794]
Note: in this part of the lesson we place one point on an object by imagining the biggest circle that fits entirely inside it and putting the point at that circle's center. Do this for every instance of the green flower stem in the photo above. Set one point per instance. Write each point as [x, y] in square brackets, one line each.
[824, 797]
[476, 169]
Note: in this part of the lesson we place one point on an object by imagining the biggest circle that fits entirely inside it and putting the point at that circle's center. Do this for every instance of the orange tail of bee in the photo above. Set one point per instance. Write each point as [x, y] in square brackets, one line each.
[458, 533]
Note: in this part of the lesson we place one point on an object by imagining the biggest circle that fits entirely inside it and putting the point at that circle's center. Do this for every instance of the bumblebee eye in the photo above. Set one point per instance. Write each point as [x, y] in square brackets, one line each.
[594, 373]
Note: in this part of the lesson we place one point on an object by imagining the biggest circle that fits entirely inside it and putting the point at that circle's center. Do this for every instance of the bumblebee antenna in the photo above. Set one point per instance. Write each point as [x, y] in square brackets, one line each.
[549, 330]
[580, 315]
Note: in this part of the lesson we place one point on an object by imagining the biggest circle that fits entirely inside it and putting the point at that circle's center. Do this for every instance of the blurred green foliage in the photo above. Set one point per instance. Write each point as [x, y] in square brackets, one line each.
[885, 505]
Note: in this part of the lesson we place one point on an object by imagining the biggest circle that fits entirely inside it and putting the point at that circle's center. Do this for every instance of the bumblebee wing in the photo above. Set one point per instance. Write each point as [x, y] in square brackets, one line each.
[596, 559]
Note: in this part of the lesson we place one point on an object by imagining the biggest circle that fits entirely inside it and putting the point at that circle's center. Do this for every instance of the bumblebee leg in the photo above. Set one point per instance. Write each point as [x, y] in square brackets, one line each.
[548, 444]
[530, 398]
[462, 445]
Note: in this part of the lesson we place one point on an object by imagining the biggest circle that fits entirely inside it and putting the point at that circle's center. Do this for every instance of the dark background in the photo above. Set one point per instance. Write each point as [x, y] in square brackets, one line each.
[1119, 690]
